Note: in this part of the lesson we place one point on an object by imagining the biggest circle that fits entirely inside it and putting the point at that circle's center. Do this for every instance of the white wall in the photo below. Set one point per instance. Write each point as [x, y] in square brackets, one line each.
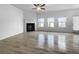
[11, 21]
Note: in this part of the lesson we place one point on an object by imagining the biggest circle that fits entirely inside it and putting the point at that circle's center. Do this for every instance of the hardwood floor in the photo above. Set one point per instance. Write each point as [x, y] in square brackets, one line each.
[41, 43]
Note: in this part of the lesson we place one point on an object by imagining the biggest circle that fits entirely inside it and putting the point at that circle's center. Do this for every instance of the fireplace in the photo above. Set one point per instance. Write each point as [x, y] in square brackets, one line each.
[30, 27]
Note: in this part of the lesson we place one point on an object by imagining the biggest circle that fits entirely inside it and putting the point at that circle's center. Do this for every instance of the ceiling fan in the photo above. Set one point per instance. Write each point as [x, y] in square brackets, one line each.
[39, 7]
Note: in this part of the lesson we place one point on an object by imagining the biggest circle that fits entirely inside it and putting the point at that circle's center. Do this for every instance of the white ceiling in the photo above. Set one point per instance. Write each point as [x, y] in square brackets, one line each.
[49, 7]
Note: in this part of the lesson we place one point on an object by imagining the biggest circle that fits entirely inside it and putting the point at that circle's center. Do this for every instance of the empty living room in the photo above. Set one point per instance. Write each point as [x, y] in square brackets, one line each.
[39, 28]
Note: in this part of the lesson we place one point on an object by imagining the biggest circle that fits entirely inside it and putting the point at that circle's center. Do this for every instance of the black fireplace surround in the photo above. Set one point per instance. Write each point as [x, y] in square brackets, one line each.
[30, 27]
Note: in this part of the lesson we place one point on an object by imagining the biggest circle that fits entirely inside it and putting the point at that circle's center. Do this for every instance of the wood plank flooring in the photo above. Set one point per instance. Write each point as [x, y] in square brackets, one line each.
[41, 43]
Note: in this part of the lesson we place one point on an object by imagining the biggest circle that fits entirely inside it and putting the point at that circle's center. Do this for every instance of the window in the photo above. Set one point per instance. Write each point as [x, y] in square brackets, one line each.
[76, 23]
[50, 22]
[62, 22]
[41, 22]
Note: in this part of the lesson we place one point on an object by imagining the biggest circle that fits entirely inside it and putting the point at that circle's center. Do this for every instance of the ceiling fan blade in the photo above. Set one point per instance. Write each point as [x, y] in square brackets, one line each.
[36, 5]
[43, 8]
[42, 5]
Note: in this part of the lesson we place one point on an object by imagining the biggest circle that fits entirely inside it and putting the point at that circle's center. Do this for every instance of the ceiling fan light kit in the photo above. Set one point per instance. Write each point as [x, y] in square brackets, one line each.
[39, 7]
